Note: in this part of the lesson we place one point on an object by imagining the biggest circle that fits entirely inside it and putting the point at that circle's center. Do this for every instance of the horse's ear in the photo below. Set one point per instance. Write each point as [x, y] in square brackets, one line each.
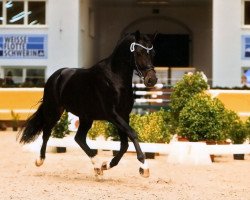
[137, 35]
[153, 37]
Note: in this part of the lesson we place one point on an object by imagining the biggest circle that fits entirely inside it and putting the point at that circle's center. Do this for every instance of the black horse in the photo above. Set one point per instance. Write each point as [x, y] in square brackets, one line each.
[103, 92]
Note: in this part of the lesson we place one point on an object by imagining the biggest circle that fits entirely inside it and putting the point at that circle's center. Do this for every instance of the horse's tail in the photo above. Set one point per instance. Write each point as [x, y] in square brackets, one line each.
[33, 126]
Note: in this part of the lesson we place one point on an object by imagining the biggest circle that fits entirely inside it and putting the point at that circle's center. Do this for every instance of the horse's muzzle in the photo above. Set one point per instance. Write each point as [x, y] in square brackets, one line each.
[150, 79]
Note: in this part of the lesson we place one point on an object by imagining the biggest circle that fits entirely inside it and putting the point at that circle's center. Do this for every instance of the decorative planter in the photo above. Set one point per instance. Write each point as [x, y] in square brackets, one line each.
[14, 128]
[239, 156]
[149, 155]
[182, 139]
[61, 149]
[211, 143]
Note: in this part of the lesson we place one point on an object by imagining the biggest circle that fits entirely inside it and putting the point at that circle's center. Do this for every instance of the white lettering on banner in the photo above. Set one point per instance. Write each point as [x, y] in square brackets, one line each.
[23, 46]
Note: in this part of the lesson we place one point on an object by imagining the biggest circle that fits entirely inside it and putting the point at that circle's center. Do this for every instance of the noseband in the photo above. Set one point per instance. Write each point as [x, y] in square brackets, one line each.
[132, 49]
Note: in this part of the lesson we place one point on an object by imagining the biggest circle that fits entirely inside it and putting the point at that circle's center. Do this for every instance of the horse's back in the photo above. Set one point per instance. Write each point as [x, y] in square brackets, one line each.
[84, 91]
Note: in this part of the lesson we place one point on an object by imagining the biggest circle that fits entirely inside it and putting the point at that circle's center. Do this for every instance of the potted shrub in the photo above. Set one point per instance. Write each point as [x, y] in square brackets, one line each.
[105, 128]
[238, 134]
[15, 120]
[61, 129]
[2, 127]
[152, 127]
[98, 128]
[247, 123]
[202, 119]
[183, 91]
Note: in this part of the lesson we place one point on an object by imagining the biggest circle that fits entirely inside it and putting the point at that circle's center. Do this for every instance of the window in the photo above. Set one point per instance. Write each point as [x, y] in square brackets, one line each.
[12, 76]
[24, 76]
[15, 12]
[246, 11]
[245, 77]
[26, 12]
[37, 13]
[35, 76]
[1, 13]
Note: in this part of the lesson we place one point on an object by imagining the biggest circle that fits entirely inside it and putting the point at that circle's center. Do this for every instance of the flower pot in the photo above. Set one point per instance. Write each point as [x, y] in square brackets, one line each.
[239, 156]
[14, 128]
[149, 155]
[182, 139]
[211, 143]
[60, 149]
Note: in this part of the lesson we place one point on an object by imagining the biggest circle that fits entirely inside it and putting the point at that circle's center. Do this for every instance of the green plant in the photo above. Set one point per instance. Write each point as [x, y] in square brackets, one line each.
[247, 123]
[104, 128]
[183, 91]
[61, 129]
[152, 127]
[238, 133]
[203, 118]
[15, 119]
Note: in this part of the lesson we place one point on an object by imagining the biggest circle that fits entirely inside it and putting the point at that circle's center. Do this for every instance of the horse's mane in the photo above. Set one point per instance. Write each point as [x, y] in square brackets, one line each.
[122, 39]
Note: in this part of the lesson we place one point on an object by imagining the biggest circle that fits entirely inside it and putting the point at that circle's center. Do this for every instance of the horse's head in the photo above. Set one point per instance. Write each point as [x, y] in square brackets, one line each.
[143, 51]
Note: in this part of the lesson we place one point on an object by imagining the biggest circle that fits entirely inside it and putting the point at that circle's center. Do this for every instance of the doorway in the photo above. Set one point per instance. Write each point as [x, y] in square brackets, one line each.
[172, 50]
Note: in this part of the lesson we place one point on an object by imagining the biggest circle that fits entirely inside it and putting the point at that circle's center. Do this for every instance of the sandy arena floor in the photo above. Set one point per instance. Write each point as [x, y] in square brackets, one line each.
[70, 176]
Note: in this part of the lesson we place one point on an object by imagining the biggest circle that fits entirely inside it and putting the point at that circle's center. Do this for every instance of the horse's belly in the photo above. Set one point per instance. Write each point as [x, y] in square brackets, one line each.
[89, 107]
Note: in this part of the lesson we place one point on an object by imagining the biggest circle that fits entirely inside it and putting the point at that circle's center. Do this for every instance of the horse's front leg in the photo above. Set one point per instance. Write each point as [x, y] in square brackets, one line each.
[124, 127]
[118, 156]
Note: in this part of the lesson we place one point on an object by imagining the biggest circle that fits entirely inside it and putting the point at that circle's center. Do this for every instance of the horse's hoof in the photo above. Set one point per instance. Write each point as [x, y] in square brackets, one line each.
[144, 172]
[98, 171]
[105, 166]
[39, 162]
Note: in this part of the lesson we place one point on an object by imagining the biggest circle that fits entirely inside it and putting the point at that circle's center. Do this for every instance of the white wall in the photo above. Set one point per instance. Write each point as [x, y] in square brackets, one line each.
[62, 34]
[86, 53]
[227, 32]
[62, 31]
[226, 42]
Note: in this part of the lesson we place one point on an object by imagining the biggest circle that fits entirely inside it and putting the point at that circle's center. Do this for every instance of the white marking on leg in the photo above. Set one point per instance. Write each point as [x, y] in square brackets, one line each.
[144, 165]
[96, 162]
[106, 165]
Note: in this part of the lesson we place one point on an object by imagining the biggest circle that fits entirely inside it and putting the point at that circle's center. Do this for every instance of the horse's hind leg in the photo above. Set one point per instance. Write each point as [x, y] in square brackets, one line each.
[49, 124]
[80, 138]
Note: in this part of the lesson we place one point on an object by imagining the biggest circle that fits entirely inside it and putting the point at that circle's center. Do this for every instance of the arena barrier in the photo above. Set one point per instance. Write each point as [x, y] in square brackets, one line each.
[22, 101]
[195, 153]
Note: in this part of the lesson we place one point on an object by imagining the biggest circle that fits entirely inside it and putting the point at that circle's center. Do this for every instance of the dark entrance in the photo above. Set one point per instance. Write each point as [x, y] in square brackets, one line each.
[172, 50]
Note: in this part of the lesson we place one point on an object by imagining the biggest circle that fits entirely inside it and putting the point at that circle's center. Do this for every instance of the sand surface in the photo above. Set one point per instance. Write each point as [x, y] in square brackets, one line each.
[70, 176]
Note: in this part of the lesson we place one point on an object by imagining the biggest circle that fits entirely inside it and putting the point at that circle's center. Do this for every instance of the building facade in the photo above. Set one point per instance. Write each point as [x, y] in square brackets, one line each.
[38, 37]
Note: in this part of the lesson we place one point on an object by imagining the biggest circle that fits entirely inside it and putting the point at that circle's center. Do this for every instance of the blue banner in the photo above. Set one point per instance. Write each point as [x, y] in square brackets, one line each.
[20, 46]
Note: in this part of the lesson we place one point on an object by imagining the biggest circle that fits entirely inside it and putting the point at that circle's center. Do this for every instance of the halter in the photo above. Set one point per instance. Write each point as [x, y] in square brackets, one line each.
[132, 49]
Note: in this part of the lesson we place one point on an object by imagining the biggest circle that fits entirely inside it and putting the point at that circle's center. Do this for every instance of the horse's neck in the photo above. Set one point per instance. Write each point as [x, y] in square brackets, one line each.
[121, 62]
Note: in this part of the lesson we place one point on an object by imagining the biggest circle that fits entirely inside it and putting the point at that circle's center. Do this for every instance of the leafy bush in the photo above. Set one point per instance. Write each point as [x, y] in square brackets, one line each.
[152, 127]
[203, 118]
[61, 129]
[104, 128]
[247, 126]
[185, 89]
[238, 133]
[15, 119]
